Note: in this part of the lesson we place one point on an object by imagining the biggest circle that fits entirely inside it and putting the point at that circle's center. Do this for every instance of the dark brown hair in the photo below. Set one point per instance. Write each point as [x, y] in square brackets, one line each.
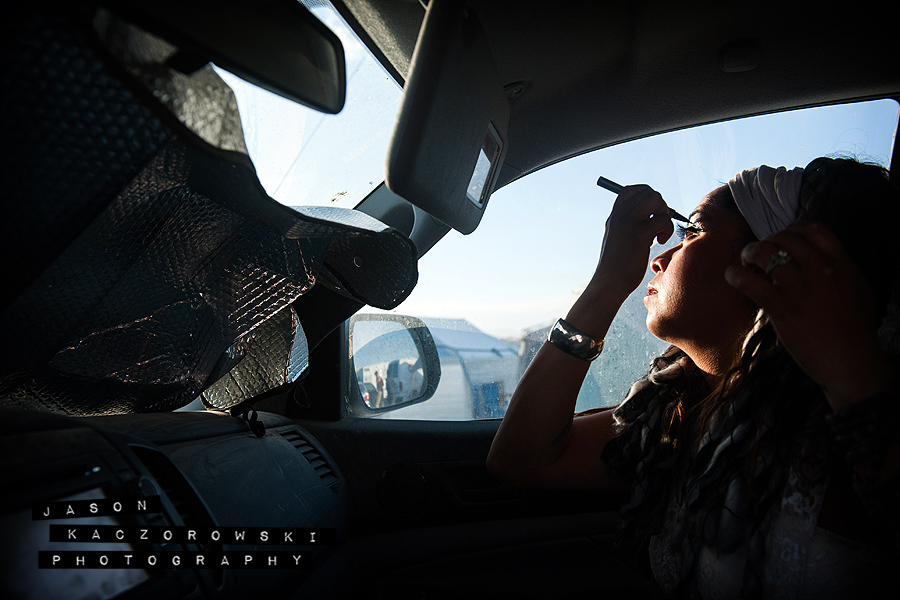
[679, 434]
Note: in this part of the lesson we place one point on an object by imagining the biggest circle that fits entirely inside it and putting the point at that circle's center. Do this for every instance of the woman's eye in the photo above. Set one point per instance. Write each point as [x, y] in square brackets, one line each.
[686, 232]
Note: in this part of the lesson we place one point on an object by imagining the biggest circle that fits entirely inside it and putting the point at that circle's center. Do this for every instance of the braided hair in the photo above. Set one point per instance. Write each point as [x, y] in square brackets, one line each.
[726, 453]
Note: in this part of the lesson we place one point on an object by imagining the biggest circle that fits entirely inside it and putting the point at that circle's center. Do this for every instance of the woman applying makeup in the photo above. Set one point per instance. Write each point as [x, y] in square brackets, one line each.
[761, 449]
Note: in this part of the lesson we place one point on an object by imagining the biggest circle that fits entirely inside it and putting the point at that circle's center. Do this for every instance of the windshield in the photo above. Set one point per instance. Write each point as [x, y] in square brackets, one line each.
[307, 158]
[178, 273]
[523, 267]
[539, 241]
[529, 224]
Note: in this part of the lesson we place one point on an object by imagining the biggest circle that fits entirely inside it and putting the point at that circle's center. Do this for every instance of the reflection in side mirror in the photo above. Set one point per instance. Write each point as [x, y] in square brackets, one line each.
[394, 362]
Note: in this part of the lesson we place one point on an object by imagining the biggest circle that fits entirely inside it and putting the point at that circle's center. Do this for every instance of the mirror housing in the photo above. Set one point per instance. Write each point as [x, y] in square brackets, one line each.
[275, 44]
[393, 363]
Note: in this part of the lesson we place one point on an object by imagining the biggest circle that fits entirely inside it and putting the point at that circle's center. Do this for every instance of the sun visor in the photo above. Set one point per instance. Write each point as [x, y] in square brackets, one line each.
[273, 354]
[450, 139]
[185, 272]
[138, 312]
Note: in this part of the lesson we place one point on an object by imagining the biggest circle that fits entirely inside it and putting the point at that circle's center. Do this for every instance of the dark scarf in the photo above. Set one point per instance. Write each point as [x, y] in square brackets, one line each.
[731, 480]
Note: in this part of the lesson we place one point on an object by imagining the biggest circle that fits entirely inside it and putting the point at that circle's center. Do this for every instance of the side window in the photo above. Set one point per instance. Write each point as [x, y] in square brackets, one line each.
[490, 298]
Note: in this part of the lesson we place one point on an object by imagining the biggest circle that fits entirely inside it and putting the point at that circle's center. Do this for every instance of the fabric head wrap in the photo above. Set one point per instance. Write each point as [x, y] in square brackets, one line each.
[769, 199]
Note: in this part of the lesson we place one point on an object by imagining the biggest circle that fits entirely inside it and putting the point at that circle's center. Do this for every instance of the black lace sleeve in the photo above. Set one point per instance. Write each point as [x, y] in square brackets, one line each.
[638, 420]
[868, 434]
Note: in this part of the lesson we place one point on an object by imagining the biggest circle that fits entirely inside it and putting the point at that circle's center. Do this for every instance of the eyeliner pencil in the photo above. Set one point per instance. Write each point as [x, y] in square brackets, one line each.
[615, 188]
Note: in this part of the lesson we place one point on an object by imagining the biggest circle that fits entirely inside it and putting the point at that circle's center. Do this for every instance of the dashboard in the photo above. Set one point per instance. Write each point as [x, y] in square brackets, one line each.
[210, 472]
[396, 508]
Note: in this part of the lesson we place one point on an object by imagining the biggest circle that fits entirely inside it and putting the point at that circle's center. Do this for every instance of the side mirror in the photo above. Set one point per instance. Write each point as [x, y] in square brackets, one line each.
[394, 362]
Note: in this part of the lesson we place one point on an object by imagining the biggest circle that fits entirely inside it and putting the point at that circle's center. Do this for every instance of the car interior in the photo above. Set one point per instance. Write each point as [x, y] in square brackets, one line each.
[148, 269]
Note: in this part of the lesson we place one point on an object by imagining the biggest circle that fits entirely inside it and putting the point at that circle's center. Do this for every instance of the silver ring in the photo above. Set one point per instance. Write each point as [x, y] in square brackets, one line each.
[778, 258]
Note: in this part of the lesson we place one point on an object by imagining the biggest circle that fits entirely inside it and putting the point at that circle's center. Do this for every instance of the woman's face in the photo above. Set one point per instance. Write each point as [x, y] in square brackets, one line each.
[688, 302]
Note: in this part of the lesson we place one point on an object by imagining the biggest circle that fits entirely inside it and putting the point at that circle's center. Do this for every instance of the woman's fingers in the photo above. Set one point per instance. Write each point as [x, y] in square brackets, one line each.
[821, 238]
[755, 285]
[642, 207]
[662, 227]
[810, 249]
[818, 301]
[805, 258]
[639, 216]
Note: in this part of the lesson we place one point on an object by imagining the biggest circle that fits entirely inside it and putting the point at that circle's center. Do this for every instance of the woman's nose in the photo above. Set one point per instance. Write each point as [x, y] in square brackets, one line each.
[659, 264]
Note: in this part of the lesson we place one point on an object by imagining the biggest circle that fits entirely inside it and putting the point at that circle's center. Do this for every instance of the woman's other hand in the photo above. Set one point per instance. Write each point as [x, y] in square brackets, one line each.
[822, 308]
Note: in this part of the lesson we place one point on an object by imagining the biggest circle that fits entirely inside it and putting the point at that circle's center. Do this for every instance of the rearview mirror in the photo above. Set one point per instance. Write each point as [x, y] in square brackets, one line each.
[394, 363]
[275, 44]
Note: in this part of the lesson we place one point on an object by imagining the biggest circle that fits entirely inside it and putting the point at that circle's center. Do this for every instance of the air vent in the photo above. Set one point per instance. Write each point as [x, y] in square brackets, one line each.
[309, 452]
[183, 498]
[174, 486]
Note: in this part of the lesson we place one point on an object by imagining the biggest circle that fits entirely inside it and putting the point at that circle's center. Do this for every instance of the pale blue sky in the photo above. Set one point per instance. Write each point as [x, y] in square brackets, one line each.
[540, 237]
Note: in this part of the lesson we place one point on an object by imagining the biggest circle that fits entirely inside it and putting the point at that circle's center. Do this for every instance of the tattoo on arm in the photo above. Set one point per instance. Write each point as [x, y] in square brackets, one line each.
[565, 431]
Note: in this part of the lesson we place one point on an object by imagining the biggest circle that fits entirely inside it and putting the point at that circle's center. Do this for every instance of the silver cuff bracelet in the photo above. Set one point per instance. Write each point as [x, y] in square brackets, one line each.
[574, 342]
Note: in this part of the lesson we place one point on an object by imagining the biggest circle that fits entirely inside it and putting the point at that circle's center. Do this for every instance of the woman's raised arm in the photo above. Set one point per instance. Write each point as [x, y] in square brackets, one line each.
[539, 444]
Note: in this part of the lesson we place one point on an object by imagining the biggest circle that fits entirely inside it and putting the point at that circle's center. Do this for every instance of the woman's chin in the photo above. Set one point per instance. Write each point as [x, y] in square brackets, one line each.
[651, 323]
[656, 326]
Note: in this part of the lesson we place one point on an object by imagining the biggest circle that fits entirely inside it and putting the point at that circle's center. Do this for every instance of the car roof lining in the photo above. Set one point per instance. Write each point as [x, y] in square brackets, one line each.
[659, 67]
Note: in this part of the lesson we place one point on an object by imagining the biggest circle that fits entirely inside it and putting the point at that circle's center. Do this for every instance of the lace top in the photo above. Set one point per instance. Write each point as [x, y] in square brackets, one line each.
[701, 547]
[802, 559]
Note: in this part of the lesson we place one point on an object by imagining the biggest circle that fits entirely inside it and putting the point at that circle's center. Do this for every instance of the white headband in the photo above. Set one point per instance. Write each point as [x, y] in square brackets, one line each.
[769, 199]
